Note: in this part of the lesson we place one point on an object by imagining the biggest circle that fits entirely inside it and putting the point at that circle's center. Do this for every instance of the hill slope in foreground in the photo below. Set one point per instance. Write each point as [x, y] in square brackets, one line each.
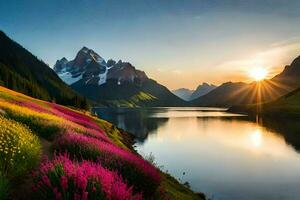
[87, 158]
[286, 106]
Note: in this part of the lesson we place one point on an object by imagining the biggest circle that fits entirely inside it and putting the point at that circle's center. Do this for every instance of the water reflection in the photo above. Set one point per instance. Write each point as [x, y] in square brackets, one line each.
[224, 155]
[256, 138]
[288, 128]
[135, 121]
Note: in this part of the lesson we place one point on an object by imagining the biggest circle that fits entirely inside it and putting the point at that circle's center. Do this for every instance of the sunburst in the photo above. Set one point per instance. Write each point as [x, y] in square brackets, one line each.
[258, 73]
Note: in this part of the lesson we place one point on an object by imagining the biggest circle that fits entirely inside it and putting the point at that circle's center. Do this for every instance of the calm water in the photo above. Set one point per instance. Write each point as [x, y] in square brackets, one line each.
[226, 156]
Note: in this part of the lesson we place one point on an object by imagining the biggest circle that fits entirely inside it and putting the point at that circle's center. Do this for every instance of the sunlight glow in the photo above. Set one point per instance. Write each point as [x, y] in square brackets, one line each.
[256, 138]
[258, 73]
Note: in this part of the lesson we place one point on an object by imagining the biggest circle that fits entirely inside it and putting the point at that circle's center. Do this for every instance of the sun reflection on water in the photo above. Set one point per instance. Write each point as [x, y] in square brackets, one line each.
[256, 138]
[222, 154]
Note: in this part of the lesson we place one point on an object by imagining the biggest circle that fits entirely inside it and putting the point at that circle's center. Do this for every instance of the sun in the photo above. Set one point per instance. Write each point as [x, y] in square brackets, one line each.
[258, 73]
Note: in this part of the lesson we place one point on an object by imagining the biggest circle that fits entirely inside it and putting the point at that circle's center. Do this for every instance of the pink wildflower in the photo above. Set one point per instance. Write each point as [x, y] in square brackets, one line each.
[46, 181]
[109, 183]
[64, 182]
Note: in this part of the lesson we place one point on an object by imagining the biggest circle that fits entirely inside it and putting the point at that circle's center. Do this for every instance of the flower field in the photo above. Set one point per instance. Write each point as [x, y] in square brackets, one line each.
[19, 148]
[88, 158]
[63, 178]
[138, 172]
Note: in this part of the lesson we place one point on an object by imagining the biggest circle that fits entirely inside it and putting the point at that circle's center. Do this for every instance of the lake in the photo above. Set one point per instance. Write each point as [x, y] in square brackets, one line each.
[226, 156]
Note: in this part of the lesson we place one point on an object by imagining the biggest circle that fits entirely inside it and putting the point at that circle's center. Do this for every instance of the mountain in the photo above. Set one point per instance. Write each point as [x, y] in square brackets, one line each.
[183, 93]
[229, 94]
[285, 106]
[113, 83]
[223, 95]
[202, 90]
[92, 69]
[24, 72]
[188, 95]
[288, 105]
[289, 78]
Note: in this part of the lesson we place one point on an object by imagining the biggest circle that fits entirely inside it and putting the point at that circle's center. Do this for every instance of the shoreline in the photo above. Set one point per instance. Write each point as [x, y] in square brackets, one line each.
[130, 142]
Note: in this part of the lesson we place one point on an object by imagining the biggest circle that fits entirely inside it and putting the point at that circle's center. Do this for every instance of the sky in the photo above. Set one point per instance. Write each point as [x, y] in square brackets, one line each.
[179, 43]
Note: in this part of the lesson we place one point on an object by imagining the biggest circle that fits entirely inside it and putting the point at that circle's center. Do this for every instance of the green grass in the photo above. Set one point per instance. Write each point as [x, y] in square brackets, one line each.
[285, 106]
[142, 96]
[177, 191]
[4, 187]
[135, 101]
[113, 133]
[288, 105]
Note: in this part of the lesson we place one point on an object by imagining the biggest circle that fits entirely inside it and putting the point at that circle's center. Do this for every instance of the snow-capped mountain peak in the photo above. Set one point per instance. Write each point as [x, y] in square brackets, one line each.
[91, 68]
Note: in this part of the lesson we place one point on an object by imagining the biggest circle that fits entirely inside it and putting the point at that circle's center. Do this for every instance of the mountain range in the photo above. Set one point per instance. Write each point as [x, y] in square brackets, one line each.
[23, 72]
[239, 93]
[188, 95]
[113, 83]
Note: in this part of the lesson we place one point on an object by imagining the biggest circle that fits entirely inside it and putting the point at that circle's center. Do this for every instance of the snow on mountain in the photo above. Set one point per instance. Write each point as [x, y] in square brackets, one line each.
[93, 69]
[68, 78]
[103, 77]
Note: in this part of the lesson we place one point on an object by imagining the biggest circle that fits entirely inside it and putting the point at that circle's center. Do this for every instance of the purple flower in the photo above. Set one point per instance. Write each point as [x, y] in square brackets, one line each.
[128, 164]
[74, 116]
[81, 175]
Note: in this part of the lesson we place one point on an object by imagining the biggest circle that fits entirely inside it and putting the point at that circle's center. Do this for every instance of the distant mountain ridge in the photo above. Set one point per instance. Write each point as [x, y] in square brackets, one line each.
[23, 72]
[188, 95]
[229, 94]
[223, 95]
[201, 90]
[112, 83]
[183, 93]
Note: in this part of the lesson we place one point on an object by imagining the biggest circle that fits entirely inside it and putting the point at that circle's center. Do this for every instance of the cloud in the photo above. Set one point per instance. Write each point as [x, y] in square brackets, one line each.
[274, 58]
[288, 41]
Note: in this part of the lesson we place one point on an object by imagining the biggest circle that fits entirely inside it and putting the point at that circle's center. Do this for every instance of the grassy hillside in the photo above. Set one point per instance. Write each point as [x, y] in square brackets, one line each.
[286, 106]
[24, 72]
[87, 158]
[147, 94]
[141, 99]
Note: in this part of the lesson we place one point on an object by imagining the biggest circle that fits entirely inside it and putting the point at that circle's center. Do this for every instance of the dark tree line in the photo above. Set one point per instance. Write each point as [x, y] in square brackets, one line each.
[23, 72]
